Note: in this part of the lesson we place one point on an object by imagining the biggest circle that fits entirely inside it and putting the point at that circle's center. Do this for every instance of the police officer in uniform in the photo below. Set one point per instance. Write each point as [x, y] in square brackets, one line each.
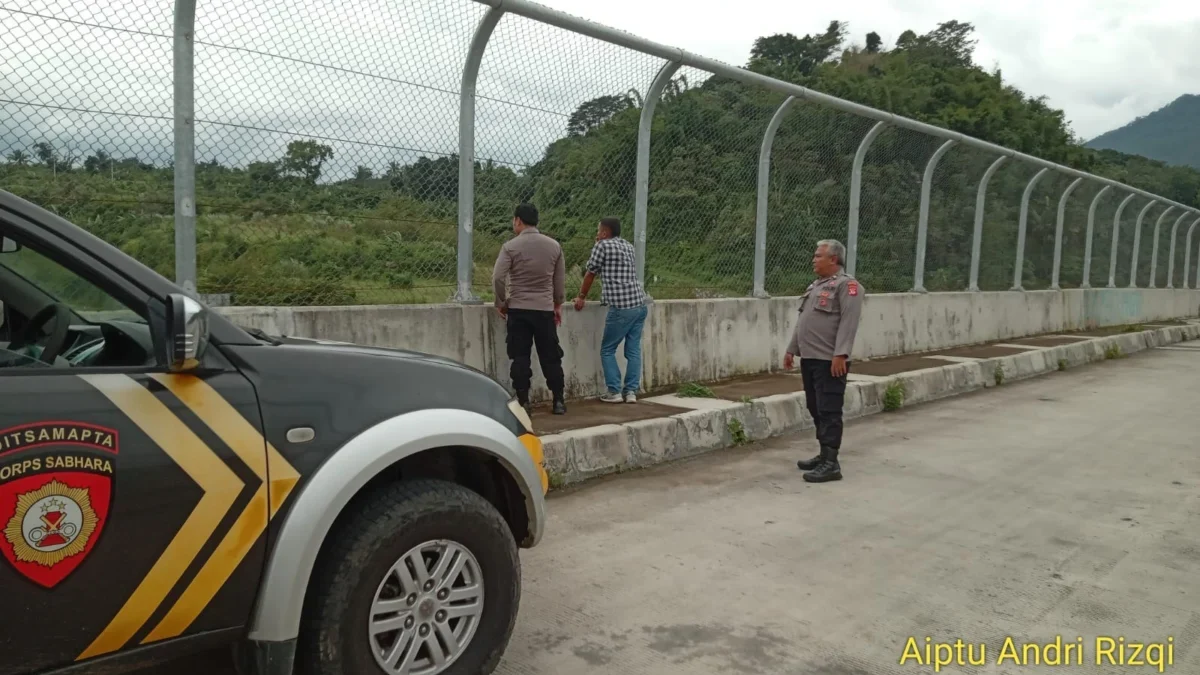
[824, 336]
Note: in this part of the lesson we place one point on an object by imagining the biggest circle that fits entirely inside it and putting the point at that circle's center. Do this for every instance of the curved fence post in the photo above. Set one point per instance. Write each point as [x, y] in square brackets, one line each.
[923, 218]
[856, 196]
[1137, 242]
[642, 181]
[1091, 228]
[183, 47]
[977, 236]
[1171, 254]
[1154, 249]
[760, 213]
[1058, 231]
[1019, 267]
[1112, 257]
[1187, 256]
[466, 154]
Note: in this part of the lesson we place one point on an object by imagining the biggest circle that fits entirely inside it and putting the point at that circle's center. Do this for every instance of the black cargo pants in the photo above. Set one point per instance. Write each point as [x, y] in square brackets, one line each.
[525, 328]
[825, 395]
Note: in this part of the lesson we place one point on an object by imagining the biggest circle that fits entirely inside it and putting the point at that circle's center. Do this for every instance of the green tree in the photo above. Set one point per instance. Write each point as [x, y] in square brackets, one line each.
[305, 158]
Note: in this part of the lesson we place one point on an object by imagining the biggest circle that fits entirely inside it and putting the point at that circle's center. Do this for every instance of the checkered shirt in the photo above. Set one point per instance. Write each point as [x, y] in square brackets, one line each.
[613, 261]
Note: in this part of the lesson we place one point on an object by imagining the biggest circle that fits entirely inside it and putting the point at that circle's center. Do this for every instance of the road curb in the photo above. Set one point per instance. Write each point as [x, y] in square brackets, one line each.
[579, 455]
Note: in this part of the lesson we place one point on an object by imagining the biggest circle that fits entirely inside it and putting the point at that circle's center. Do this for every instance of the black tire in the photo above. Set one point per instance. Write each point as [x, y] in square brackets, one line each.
[383, 526]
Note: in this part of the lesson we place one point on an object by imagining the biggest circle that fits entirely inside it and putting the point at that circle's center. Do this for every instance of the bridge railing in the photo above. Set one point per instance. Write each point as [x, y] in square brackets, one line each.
[311, 152]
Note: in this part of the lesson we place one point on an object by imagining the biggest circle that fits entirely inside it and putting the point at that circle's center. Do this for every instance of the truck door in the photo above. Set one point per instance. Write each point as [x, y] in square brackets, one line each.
[132, 500]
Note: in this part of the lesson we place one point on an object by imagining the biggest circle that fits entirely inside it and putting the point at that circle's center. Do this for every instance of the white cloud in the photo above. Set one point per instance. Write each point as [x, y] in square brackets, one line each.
[1103, 62]
[378, 79]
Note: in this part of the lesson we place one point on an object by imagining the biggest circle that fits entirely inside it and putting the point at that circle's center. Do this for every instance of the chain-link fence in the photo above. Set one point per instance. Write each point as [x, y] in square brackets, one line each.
[374, 152]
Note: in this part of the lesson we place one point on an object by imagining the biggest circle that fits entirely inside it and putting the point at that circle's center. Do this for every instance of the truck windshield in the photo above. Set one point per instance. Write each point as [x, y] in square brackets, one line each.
[82, 296]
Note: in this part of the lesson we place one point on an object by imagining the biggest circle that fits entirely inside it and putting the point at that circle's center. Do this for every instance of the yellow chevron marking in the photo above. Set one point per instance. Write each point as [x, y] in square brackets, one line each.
[221, 487]
[278, 479]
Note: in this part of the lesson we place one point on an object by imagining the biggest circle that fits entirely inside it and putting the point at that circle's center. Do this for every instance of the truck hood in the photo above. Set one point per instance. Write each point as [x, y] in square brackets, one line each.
[387, 352]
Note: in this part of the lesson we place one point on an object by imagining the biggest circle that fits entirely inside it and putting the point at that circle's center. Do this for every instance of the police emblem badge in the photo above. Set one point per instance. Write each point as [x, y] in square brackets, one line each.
[56, 485]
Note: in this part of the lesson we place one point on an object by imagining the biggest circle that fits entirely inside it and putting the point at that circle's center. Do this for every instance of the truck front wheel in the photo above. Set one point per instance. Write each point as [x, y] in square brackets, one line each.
[422, 578]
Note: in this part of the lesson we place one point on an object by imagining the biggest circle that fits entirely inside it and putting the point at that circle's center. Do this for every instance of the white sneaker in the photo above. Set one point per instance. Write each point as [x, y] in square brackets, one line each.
[631, 397]
[611, 398]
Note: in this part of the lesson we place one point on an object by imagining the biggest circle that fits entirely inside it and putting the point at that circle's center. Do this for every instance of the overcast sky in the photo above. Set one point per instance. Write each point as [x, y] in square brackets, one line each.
[378, 79]
[1103, 62]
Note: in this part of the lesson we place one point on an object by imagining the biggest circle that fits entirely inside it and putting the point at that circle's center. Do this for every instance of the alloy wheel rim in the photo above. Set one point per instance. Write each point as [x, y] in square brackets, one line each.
[426, 609]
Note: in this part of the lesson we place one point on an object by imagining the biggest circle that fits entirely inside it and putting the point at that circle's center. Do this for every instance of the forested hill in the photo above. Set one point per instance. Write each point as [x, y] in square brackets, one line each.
[279, 232]
[1170, 134]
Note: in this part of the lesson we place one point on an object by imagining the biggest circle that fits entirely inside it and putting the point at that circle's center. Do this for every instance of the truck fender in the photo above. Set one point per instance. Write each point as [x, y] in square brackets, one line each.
[325, 494]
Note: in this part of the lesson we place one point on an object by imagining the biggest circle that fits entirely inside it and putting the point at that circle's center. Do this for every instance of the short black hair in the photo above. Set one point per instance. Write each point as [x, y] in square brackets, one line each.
[527, 213]
[613, 225]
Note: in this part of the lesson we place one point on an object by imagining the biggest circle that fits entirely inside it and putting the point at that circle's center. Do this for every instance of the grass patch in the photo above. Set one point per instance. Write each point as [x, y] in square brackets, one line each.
[1062, 364]
[693, 390]
[737, 431]
[998, 374]
[746, 399]
[555, 479]
[1113, 352]
[1133, 328]
[893, 396]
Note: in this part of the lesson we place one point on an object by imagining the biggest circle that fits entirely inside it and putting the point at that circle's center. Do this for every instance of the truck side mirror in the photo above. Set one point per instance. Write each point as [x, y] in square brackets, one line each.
[187, 332]
[9, 245]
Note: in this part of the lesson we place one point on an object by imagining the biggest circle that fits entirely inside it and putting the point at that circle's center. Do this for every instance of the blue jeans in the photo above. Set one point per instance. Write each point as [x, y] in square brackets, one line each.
[623, 324]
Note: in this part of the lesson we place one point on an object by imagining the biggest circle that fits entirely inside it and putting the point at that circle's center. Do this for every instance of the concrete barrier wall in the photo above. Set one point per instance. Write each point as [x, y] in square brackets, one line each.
[703, 340]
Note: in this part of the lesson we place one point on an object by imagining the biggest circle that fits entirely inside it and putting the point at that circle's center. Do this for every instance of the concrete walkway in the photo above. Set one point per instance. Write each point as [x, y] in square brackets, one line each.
[1059, 506]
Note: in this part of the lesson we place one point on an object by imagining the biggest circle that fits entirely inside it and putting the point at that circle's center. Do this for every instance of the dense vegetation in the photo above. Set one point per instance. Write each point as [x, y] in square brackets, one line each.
[1170, 134]
[276, 233]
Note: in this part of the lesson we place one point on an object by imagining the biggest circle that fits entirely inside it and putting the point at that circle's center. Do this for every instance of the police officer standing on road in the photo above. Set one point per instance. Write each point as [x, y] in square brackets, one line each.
[824, 336]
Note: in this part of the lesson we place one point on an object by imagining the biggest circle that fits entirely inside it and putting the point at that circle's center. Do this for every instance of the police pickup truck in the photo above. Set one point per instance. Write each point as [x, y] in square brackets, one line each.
[170, 482]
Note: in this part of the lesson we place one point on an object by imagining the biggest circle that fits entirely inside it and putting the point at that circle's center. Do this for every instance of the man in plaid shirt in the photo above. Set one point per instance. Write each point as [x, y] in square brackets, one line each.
[613, 260]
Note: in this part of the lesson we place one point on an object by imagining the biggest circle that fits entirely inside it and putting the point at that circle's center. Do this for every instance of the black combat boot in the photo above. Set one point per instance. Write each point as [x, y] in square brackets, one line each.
[560, 406]
[523, 399]
[810, 464]
[828, 470]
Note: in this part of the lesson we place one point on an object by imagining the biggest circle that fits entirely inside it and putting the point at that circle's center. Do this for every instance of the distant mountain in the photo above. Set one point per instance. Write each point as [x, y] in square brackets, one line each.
[1170, 134]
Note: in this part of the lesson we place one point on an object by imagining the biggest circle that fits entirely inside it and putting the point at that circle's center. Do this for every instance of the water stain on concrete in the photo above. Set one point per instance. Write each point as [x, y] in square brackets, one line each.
[756, 653]
[549, 641]
[594, 653]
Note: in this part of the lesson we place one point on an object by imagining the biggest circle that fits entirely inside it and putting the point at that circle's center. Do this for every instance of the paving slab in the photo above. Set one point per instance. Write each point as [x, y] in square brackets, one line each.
[1050, 340]
[983, 351]
[591, 413]
[894, 365]
[692, 402]
[759, 386]
[951, 359]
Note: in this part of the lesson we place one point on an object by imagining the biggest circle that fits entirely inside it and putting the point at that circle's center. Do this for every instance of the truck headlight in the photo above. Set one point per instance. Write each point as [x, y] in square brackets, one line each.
[519, 412]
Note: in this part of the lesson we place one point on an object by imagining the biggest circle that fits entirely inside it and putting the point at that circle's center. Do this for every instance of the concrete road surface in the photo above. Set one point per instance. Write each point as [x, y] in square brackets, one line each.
[1067, 506]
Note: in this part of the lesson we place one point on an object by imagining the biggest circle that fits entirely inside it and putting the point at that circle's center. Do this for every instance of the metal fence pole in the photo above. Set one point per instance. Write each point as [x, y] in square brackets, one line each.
[977, 237]
[856, 196]
[1058, 231]
[923, 218]
[1091, 228]
[1137, 242]
[1187, 256]
[760, 214]
[1171, 254]
[185, 145]
[1019, 267]
[1154, 250]
[642, 181]
[466, 155]
[1112, 257]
